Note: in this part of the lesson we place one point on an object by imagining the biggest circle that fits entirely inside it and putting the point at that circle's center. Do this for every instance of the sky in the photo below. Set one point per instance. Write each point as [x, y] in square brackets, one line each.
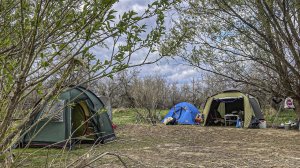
[172, 69]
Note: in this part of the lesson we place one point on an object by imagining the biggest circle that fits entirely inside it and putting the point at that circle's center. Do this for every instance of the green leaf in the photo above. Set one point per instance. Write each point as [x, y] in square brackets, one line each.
[106, 62]
[62, 46]
[45, 64]
[85, 50]
[137, 18]
[53, 46]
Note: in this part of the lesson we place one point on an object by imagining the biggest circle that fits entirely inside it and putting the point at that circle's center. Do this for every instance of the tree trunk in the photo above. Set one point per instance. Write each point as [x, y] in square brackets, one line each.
[297, 107]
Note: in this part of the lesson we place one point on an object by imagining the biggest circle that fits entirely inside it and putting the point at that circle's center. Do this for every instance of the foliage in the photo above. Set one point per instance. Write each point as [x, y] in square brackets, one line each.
[44, 44]
[284, 116]
[251, 42]
[123, 116]
[126, 89]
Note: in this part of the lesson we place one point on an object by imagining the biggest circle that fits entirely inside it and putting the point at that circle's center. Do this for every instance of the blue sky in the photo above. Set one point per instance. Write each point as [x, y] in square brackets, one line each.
[171, 69]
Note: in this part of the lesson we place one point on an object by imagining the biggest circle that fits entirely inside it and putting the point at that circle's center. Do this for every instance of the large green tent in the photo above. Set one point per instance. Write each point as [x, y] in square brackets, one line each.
[229, 102]
[78, 115]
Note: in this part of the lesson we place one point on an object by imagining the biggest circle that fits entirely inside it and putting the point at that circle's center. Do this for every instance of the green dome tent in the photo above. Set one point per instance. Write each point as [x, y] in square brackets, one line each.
[77, 116]
[232, 102]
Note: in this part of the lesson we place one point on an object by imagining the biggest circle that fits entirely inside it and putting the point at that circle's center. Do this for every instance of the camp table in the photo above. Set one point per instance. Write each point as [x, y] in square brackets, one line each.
[230, 118]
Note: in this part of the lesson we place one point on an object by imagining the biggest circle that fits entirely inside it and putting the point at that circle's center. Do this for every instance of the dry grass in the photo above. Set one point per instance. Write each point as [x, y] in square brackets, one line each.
[187, 146]
[194, 146]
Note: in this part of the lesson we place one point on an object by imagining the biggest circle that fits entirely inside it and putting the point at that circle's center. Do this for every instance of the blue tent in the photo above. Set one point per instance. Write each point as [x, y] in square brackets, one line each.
[184, 113]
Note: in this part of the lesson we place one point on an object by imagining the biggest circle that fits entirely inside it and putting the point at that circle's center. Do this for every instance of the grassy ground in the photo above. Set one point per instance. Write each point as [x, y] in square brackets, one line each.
[284, 116]
[126, 116]
[185, 146]
[142, 145]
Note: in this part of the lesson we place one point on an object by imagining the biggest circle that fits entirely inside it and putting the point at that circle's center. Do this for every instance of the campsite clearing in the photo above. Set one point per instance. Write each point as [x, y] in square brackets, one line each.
[195, 146]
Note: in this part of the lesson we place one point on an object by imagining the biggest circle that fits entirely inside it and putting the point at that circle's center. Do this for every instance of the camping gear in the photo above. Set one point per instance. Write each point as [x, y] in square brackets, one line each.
[238, 123]
[227, 102]
[78, 115]
[183, 113]
[287, 126]
[280, 126]
[230, 118]
[114, 126]
[262, 124]
[288, 103]
[198, 119]
[167, 121]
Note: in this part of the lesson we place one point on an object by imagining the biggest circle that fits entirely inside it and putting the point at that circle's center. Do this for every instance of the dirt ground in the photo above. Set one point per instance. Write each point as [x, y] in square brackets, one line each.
[195, 146]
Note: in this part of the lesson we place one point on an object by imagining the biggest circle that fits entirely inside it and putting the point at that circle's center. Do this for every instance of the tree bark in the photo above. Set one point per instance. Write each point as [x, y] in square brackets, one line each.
[297, 107]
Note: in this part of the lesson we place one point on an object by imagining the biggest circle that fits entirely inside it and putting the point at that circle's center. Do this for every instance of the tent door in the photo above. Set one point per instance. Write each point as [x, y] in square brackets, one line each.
[82, 127]
[221, 107]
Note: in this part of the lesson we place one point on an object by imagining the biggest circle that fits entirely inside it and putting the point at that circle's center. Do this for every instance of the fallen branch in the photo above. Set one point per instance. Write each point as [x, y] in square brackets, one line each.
[87, 163]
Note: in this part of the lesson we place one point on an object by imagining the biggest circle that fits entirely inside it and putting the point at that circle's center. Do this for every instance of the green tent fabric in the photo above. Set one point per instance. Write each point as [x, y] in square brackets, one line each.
[77, 115]
[231, 101]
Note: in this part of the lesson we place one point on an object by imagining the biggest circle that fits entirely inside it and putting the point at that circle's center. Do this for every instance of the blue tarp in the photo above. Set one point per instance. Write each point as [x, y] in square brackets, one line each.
[184, 113]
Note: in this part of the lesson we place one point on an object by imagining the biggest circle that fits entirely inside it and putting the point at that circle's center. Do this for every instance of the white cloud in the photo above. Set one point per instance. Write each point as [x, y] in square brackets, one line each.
[171, 69]
[184, 74]
[136, 5]
[139, 8]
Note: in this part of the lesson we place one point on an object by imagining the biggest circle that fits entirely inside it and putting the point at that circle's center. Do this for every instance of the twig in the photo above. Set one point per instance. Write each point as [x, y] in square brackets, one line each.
[83, 164]
[107, 153]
